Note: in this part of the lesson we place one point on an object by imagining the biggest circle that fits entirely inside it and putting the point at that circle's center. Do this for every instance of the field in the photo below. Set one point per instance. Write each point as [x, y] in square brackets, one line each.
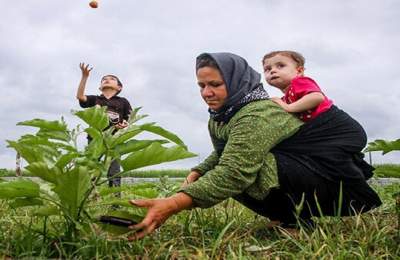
[228, 231]
[382, 170]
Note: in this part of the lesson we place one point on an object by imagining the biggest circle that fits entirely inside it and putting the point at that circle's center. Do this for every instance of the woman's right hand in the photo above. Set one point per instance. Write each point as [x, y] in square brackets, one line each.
[85, 69]
[158, 211]
[192, 177]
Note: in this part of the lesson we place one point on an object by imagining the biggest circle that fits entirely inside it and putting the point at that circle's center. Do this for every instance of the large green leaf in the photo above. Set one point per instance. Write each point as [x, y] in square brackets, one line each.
[19, 188]
[39, 141]
[23, 202]
[46, 211]
[96, 147]
[66, 159]
[162, 132]
[136, 145]
[95, 117]
[52, 134]
[26, 152]
[124, 134]
[384, 146]
[41, 170]
[71, 189]
[44, 124]
[155, 154]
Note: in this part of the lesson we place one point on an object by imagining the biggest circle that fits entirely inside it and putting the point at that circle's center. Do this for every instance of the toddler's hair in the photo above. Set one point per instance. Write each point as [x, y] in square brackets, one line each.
[295, 56]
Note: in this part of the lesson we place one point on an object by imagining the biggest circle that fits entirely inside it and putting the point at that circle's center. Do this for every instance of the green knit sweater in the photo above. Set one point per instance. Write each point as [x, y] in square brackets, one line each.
[246, 164]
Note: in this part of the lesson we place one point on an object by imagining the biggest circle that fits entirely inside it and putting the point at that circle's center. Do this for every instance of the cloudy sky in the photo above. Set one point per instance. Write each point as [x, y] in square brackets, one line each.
[352, 50]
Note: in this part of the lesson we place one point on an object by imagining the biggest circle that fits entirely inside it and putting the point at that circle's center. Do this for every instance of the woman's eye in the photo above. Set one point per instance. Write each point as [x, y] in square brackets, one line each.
[215, 84]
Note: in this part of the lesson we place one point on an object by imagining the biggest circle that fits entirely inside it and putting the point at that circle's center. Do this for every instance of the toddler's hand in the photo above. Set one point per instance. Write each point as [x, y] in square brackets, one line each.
[280, 102]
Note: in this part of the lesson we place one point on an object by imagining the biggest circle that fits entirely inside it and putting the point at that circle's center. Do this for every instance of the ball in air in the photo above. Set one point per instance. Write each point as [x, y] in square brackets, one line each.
[93, 4]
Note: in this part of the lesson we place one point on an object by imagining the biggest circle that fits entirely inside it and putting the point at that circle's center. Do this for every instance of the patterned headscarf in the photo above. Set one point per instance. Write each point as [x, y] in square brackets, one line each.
[242, 83]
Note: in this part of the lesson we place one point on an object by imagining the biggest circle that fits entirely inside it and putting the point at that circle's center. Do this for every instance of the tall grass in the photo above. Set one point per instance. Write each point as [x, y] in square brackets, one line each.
[382, 170]
[227, 231]
[387, 170]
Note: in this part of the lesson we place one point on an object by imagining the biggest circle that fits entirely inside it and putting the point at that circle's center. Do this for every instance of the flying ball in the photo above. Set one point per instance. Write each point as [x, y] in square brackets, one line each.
[93, 4]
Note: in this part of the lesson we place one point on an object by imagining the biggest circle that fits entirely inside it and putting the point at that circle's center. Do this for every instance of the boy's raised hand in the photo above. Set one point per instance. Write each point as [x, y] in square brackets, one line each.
[85, 69]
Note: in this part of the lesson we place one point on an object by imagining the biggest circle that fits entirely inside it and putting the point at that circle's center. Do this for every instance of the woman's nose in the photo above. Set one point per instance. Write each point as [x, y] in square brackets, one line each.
[207, 91]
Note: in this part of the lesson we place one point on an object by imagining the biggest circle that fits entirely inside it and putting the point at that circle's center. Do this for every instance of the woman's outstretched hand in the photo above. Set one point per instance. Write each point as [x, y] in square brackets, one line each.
[159, 210]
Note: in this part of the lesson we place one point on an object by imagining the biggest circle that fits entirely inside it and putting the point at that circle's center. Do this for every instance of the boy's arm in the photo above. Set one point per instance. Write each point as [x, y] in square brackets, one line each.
[305, 103]
[80, 94]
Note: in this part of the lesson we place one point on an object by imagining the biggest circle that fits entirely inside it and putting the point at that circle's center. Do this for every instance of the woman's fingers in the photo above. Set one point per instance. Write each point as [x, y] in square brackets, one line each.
[143, 232]
[147, 226]
[142, 203]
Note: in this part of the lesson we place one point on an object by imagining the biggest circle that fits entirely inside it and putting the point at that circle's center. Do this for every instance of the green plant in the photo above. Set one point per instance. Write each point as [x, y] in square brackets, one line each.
[71, 176]
[386, 147]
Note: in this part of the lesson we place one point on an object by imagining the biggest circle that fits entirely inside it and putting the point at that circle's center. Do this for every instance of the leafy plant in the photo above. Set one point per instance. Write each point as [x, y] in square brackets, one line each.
[386, 147]
[71, 177]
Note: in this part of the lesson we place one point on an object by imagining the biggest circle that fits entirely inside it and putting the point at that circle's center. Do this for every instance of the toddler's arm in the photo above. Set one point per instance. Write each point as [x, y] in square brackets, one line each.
[305, 103]
[80, 94]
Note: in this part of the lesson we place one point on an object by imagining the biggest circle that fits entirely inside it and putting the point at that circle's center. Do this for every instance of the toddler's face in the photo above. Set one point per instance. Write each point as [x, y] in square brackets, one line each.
[280, 70]
[109, 82]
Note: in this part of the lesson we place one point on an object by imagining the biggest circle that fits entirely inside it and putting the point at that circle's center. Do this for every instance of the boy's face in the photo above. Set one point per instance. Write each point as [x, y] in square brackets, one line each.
[280, 70]
[110, 82]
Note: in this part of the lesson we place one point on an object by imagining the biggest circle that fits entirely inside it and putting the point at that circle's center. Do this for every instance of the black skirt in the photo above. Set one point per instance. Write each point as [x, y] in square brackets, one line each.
[320, 167]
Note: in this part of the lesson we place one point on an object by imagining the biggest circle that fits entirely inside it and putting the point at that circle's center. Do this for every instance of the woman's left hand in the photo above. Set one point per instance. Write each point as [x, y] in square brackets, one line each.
[159, 210]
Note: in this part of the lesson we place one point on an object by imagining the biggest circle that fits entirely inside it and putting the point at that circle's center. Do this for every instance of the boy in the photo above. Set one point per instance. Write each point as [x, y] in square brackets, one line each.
[285, 71]
[118, 108]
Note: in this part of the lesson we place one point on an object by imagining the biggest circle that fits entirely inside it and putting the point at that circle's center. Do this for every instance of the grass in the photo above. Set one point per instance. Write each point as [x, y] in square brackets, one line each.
[227, 231]
[382, 170]
[387, 170]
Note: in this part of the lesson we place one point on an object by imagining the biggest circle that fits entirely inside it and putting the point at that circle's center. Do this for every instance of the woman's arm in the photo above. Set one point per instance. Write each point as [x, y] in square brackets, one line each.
[251, 137]
[208, 164]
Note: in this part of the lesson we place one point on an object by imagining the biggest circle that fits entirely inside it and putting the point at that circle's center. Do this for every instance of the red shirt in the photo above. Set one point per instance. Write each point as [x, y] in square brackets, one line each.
[301, 86]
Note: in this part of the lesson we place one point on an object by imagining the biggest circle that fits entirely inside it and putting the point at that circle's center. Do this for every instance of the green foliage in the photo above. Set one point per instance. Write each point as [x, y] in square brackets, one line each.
[384, 146]
[387, 170]
[70, 177]
[226, 231]
[19, 189]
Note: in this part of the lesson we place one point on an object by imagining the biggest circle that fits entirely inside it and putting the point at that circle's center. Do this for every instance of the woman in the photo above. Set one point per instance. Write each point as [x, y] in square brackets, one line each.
[266, 158]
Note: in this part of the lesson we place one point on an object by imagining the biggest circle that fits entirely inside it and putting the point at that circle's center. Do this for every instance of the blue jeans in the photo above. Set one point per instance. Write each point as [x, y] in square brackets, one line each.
[113, 170]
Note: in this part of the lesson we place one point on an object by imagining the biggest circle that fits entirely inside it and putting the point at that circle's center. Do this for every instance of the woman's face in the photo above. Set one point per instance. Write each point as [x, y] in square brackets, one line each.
[212, 87]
